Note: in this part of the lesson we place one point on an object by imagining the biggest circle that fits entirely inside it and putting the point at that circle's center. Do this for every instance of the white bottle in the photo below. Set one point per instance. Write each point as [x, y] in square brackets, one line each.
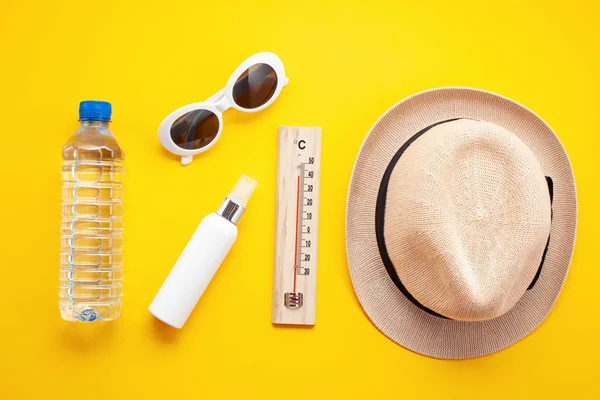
[201, 258]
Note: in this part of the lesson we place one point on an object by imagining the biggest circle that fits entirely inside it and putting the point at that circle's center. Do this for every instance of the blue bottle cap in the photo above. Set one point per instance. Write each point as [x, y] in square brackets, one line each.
[91, 109]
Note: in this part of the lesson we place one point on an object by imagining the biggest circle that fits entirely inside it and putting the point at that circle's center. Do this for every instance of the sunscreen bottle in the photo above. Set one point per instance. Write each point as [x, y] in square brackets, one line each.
[201, 258]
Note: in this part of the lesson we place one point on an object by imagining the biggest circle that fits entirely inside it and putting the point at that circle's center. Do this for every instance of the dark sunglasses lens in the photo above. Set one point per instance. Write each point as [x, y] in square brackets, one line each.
[194, 130]
[255, 86]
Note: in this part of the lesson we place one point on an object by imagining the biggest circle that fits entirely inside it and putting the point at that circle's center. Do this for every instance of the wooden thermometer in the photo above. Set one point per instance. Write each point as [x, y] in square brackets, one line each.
[297, 223]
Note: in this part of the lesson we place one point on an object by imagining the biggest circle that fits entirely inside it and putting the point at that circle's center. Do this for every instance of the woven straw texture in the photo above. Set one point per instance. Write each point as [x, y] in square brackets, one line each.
[468, 217]
[525, 149]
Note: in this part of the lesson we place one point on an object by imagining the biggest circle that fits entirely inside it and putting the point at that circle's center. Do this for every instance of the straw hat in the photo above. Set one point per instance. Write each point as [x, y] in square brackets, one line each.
[460, 223]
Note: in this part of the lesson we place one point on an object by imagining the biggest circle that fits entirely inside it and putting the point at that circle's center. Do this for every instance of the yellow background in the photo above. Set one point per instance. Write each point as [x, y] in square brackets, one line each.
[347, 62]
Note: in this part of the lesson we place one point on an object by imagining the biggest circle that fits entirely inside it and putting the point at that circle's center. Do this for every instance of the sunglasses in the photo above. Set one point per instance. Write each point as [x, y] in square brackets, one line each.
[195, 128]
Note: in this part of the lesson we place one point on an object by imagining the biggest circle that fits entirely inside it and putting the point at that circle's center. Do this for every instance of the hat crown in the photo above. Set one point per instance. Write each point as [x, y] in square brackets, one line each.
[467, 219]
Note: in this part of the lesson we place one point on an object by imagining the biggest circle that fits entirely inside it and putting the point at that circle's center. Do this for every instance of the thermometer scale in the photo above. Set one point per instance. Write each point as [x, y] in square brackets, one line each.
[298, 178]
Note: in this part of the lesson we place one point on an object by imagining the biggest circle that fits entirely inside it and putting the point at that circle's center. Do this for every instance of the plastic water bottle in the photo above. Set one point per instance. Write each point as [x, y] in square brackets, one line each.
[92, 226]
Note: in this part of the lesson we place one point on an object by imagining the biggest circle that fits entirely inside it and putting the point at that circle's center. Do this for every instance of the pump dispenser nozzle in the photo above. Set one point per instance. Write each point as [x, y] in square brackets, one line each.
[234, 205]
[242, 191]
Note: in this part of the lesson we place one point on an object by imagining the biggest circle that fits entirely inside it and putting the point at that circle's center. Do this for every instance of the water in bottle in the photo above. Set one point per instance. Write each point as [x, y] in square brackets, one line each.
[92, 227]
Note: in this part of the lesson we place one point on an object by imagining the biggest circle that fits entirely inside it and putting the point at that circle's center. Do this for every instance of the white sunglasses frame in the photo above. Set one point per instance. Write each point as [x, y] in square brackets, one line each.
[219, 103]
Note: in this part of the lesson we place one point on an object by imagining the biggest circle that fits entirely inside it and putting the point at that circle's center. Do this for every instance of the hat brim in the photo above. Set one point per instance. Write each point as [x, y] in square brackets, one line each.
[389, 310]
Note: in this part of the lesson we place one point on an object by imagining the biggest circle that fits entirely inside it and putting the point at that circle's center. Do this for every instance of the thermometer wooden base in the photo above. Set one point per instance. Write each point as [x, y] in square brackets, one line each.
[298, 178]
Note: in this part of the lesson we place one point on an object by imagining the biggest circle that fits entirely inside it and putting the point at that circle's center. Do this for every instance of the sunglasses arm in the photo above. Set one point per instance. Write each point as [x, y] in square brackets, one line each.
[185, 160]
